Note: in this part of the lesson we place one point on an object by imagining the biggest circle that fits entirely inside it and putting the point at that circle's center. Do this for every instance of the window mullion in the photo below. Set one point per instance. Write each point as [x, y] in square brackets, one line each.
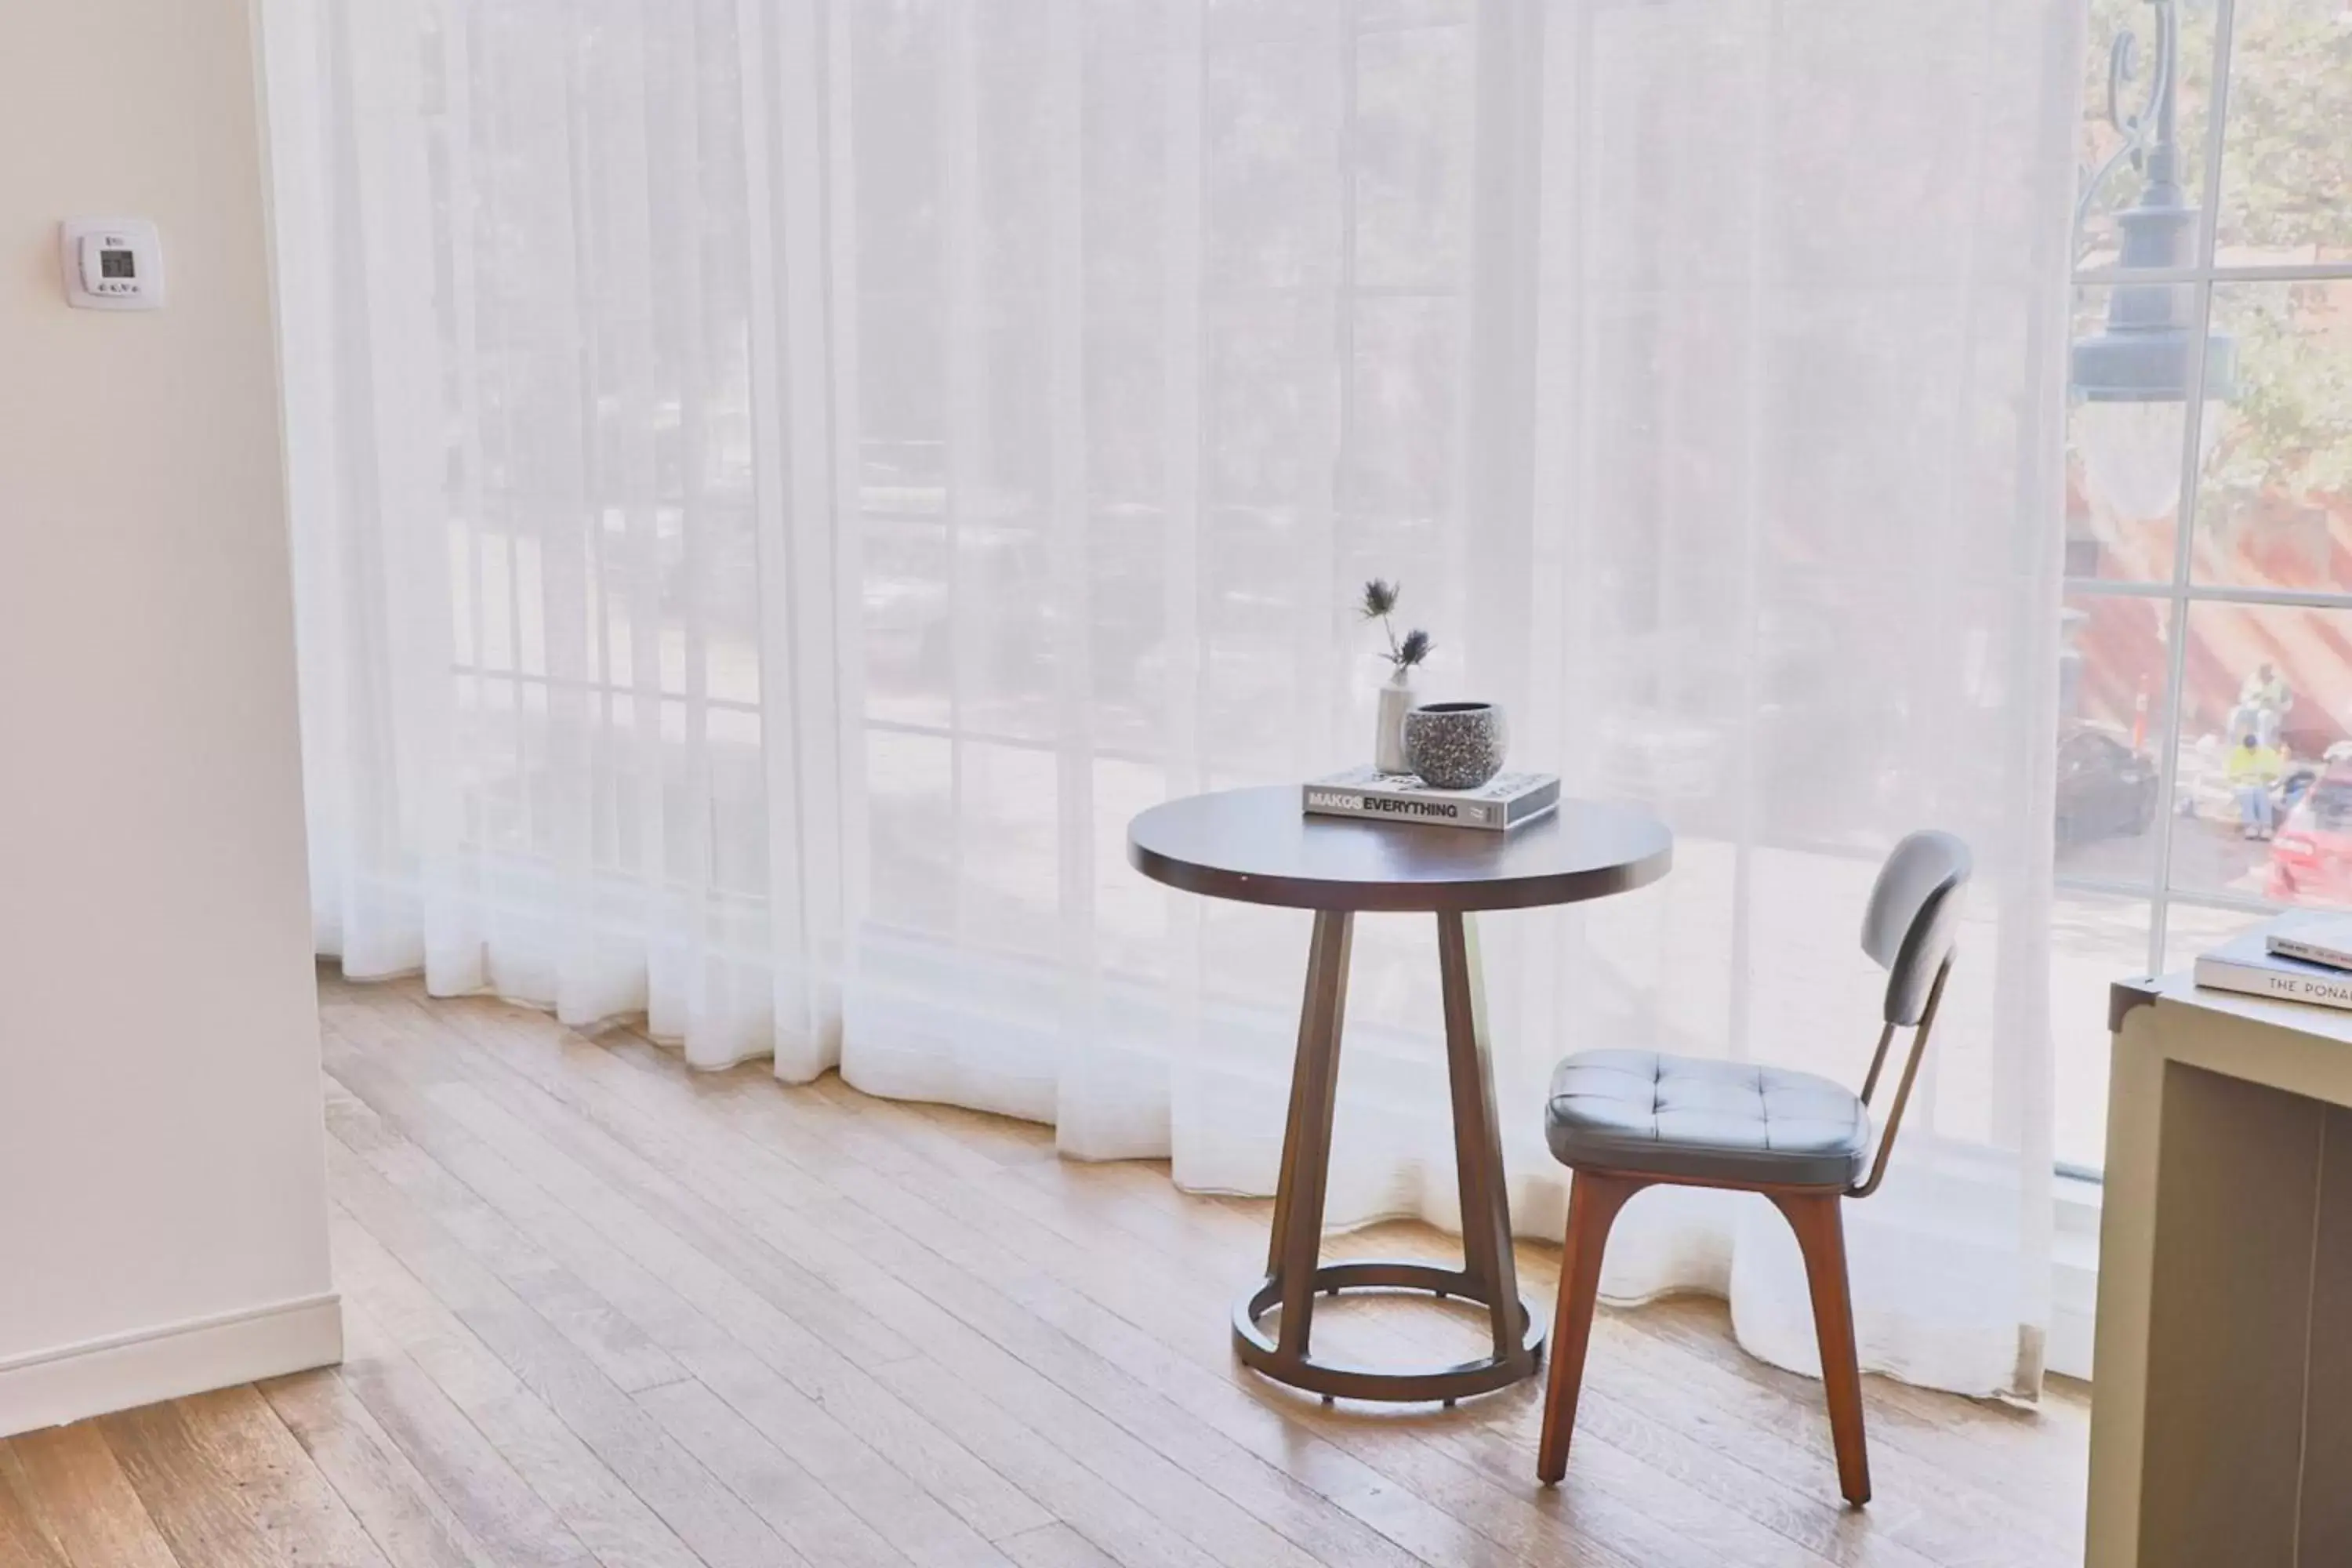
[2191, 476]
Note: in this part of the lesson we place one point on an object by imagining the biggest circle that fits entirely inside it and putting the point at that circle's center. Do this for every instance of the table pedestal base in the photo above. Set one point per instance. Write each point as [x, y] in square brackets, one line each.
[1302, 1371]
[1295, 1273]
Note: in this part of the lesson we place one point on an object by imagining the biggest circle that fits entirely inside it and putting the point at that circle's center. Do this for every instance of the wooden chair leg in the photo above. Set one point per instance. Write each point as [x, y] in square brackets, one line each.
[1594, 1201]
[1820, 1224]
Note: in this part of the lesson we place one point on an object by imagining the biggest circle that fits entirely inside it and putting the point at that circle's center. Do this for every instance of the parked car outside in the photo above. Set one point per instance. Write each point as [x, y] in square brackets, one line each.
[2310, 858]
[2106, 787]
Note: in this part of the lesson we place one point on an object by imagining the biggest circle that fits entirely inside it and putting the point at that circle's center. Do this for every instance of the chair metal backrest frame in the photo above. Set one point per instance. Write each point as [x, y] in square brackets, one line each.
[1911, 1060]
[1914, 907]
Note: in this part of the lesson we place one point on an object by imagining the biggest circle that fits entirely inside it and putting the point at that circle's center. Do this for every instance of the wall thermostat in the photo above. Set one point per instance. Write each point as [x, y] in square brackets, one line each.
[111, 264]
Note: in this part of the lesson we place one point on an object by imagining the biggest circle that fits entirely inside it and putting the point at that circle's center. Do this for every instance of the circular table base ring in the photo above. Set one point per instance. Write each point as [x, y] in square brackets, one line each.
[1447, 1383]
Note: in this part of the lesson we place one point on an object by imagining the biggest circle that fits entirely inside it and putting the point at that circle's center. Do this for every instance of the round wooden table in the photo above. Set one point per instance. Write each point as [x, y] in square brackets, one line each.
[1258, 846]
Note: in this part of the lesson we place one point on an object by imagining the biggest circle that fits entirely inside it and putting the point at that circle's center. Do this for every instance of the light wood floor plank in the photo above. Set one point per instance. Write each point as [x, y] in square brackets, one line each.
[294, 1504]
[1172, 1492]
[801, 1508]
[22, 1540]
[701, 1513]
[1032, 1370]
[911, 1168]
[1543, 1535]
[604, 1312]
[657, 1217]
[1822, 1531]
[726, 1259]
[525, 1179]
[616, 1347]
[197, 1506]
[389, 1498]
[1970, 1438]
[593, 1503]
[68, 1480]
[1016, 1451]
[467, 1471]
[1533, 1532]
[1056, 1546]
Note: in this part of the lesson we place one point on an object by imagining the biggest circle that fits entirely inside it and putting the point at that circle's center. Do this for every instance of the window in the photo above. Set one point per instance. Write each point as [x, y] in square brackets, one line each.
[2204, 772]
[1305, 313]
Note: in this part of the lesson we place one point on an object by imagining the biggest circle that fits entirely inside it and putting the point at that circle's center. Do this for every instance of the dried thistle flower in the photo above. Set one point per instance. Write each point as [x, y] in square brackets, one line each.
[1380, 596]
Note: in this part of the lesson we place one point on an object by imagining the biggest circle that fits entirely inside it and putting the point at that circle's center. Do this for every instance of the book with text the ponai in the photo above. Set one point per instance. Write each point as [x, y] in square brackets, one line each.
[2247, 963]
[1503, 802]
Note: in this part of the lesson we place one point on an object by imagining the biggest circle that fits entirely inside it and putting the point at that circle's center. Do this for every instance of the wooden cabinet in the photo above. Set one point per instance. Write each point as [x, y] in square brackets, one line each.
[2221, 1400]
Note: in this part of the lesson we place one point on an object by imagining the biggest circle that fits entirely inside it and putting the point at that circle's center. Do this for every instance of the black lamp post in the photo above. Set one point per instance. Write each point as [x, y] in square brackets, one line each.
[2147, 352]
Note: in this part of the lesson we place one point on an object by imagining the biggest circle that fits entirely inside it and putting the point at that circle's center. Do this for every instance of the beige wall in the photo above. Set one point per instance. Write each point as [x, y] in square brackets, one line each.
[160, 1154]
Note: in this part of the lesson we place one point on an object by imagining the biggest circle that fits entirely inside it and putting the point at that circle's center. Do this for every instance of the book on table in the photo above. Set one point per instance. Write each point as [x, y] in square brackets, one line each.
[1504, 801]
[2314, 939]
[2248, 963]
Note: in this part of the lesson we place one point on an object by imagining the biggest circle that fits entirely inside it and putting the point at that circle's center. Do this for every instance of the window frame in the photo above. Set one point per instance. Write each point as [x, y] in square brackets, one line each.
[2182, 590]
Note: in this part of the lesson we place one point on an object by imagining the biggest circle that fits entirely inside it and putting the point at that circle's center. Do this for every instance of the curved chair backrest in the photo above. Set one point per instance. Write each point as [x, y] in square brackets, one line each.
[1909, 930]
[1914, 915]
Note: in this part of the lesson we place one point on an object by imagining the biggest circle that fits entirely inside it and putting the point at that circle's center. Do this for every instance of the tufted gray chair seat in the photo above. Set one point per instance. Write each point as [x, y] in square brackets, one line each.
[1688, 1118]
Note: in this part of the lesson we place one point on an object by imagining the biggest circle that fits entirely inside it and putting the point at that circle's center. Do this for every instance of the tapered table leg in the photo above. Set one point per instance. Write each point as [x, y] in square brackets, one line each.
[1307, 1152]
[1478, 1147]
[1293, 1270]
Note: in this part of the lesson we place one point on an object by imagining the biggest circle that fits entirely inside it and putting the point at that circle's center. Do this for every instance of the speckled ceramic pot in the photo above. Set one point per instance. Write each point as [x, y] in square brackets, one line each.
[1455, 745]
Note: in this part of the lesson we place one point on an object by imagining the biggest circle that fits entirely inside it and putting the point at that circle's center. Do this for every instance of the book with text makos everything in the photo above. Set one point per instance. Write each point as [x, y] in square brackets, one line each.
[2314, 939]
[1504, 801]
[2246, 963]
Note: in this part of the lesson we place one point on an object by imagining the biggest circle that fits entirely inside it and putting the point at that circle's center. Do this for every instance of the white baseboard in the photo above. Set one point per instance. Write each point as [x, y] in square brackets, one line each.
[51, 1387]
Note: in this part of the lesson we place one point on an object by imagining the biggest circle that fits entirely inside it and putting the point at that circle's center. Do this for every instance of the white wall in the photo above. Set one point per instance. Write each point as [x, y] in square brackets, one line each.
[161, 1151]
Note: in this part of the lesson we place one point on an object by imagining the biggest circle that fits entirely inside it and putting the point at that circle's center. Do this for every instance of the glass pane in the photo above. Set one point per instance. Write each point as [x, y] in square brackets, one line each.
[2114, 654]
[2093, 941]
[902, 418]
[2114, 180]
[2275, 509]
[1131, 914]
[1259, 593]
[897, 146]
[2264, 801]
[1374, 13]
[1268, 400]
[1272, 209]
[2286, 164]
[911, 830]
[2123, 451]
[2191, 929]
[1398, 458]
[1130, 663]
[910, 635]
[1410, 155]
[1009, 845]
[1008, 631]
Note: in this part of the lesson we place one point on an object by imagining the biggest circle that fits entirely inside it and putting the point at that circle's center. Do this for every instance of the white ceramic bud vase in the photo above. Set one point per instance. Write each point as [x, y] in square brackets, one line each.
[1388, 735]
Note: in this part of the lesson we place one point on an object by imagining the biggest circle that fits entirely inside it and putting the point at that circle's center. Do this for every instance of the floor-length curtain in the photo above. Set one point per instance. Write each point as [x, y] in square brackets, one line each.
[572, 668]
[779, 483]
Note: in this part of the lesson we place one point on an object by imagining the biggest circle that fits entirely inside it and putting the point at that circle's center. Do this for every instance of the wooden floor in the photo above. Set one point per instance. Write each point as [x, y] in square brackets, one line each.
[602, 1310]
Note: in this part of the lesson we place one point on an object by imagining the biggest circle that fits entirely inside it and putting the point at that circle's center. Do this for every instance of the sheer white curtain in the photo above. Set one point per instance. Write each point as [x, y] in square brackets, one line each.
[574, 699]
[780, 482]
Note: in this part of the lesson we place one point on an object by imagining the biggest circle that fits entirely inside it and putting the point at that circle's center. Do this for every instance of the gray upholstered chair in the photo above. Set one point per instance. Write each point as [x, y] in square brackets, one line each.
[1624, 1120]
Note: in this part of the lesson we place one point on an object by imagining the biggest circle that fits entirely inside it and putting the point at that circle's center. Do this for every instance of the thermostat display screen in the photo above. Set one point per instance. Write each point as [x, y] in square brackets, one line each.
[110, 263]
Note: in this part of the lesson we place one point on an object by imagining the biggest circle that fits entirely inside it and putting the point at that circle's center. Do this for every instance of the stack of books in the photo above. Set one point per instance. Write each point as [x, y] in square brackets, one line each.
[1503, 802]
[2301, 957]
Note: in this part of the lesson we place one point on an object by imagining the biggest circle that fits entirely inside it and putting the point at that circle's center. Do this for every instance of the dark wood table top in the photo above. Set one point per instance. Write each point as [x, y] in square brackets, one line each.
[1256, 845]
